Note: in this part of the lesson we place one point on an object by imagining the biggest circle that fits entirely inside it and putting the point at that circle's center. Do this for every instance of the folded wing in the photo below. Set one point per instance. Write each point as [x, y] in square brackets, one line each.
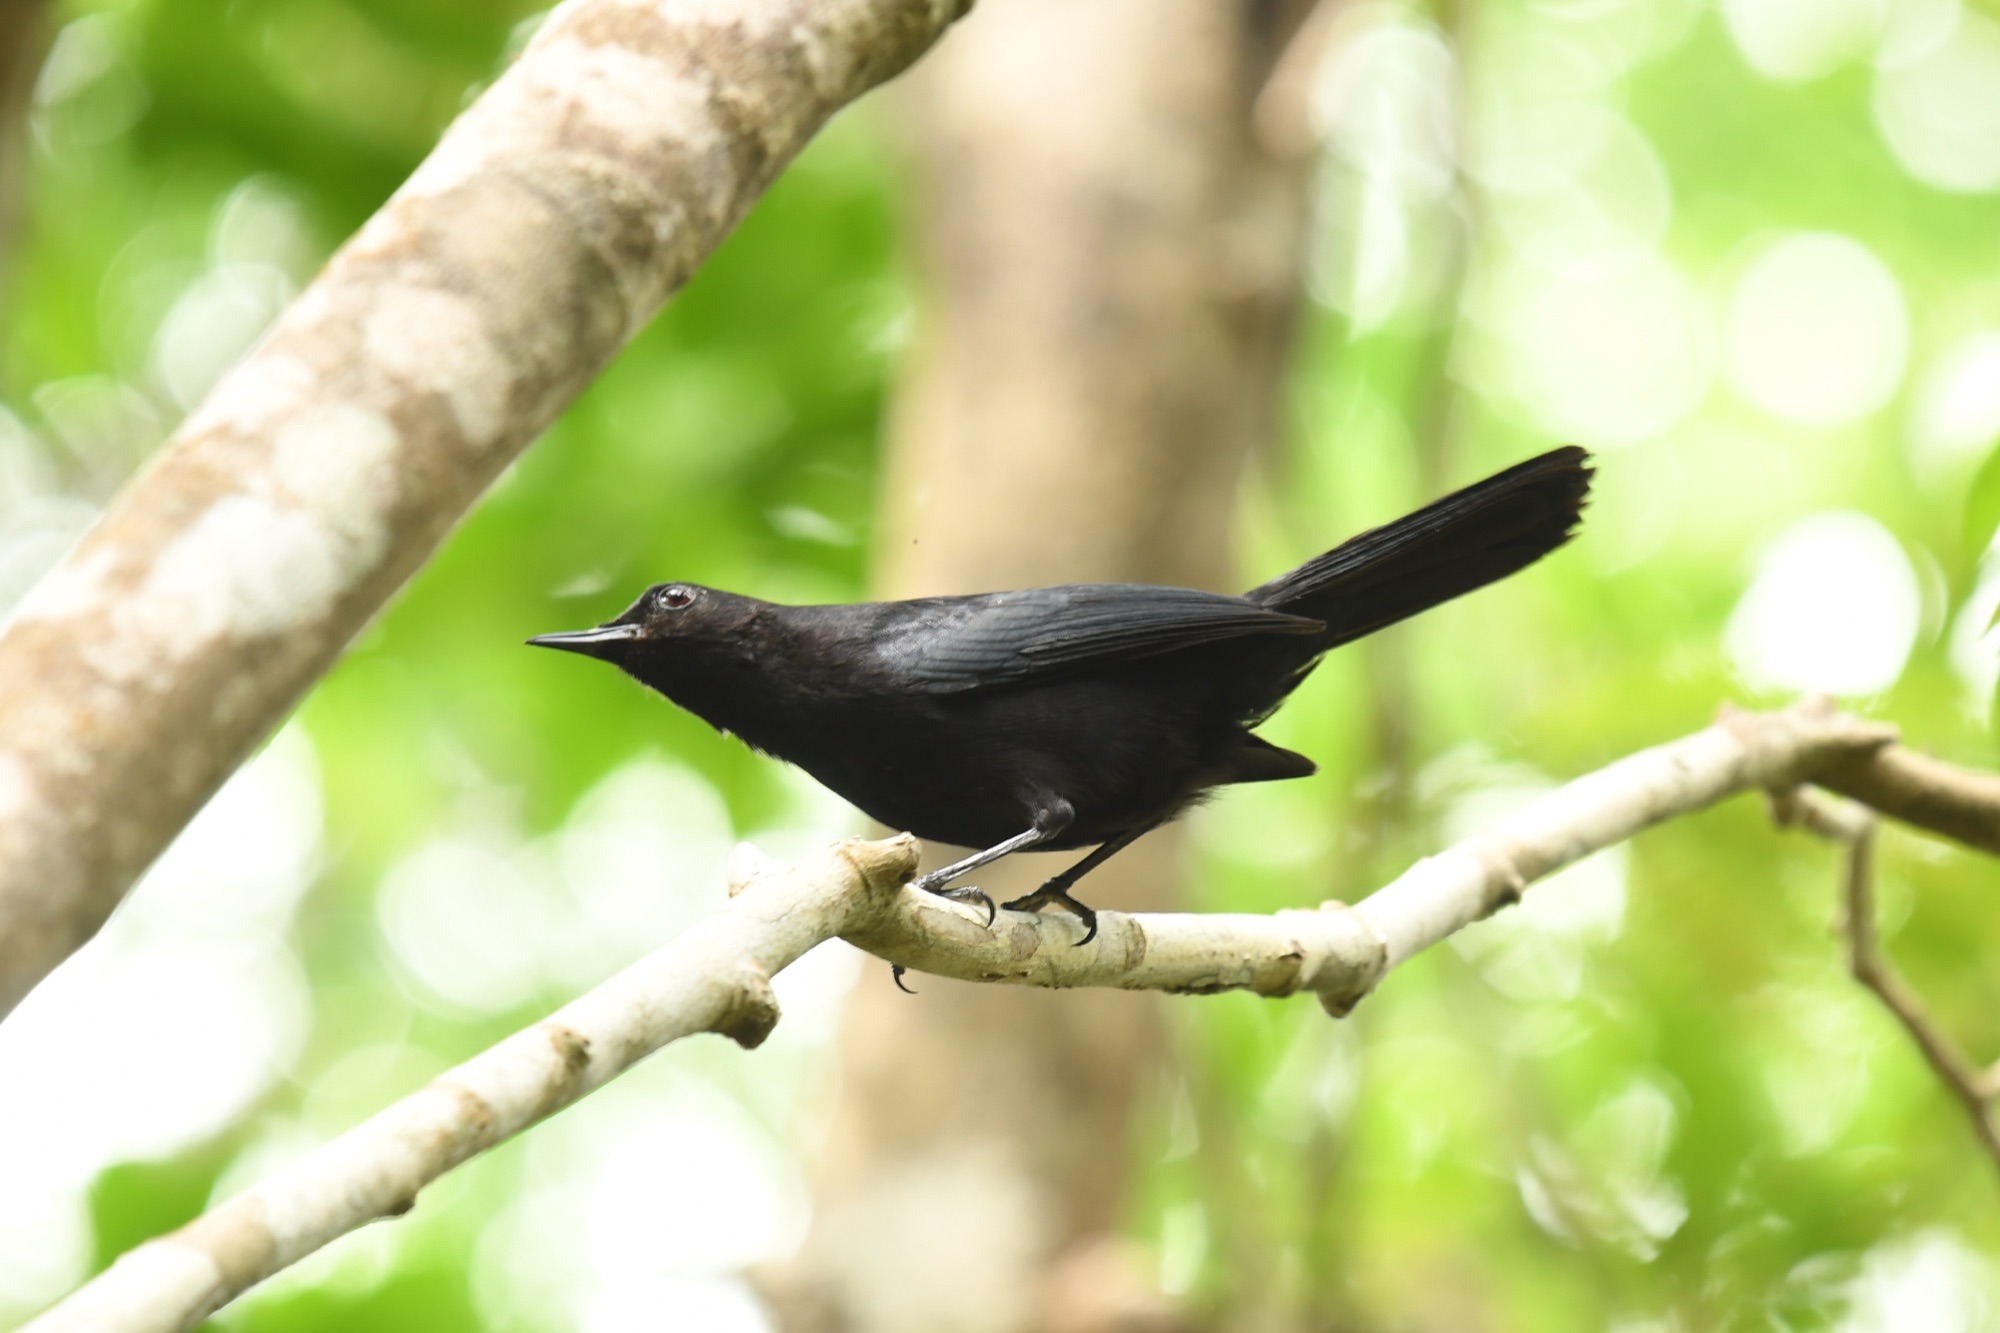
[953, 644]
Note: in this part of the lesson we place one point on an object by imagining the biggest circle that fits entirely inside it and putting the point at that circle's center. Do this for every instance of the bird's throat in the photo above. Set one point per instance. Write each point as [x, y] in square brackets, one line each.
[727, 690]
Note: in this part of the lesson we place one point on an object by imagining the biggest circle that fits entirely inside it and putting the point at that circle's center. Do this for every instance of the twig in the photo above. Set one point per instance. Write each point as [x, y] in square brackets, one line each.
[715, 979]
[1854, 826]
[1922, 791]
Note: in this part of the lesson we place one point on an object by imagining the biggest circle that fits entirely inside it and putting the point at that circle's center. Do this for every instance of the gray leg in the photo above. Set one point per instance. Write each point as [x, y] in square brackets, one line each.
[1020, 842]
[1056, 890]
[1050, 820]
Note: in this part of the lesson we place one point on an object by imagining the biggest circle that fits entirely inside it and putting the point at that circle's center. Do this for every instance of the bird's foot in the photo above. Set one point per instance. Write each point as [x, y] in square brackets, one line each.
[1051, 893]
[964, 893]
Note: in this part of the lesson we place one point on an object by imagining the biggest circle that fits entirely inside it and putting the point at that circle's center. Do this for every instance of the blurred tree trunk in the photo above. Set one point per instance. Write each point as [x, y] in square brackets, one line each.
[24, 41]
[1110, 271]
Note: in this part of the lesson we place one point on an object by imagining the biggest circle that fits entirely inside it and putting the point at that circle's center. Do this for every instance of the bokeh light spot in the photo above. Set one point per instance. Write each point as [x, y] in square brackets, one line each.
[1572, 179]
[639, 1210]
[1932, 1282]
[1974, 646]
[1607, 349]
[469, 923]
[45, 1244]
[1795, 40]
[636, 879]
[1816, 330]
[160, 1031]
[1939, 107]
[1387, 103]
[734, 1207]
[219, 316]
[1834, 608]
[1958, 409]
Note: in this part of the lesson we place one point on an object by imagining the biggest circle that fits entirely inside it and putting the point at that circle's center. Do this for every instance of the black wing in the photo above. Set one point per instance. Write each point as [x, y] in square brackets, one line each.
[947, 644]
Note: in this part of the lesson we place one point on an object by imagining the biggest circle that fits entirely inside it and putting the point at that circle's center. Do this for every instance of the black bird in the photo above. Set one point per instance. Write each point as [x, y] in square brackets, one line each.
[1057, 718]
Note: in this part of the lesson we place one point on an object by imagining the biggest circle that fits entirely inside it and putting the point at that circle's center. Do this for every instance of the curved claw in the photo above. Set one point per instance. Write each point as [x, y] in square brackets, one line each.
[1056, 893]
[965, 893]
[972, 893]
[896, 971]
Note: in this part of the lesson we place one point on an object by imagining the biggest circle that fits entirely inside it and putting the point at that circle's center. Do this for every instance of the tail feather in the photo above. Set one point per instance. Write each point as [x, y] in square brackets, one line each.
[1464, 541]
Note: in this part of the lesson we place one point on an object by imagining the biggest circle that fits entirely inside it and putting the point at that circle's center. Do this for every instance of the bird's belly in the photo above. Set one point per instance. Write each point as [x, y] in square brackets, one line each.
[974, 769]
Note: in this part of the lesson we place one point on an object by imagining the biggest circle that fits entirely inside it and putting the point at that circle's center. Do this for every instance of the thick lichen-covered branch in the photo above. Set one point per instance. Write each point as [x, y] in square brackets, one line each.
[550, 223]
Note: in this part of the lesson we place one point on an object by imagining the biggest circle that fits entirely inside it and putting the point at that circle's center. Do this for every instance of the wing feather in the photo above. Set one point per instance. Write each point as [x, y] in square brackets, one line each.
[962, 643]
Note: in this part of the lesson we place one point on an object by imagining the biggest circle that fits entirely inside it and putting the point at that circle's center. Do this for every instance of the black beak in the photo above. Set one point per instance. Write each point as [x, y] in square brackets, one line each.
[599, 642]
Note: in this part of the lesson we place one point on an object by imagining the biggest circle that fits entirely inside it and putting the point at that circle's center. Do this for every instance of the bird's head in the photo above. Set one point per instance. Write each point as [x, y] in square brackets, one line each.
[666, 621]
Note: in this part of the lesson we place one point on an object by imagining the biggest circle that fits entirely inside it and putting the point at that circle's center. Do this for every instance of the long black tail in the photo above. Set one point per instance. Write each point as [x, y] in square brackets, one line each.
[1464, 541]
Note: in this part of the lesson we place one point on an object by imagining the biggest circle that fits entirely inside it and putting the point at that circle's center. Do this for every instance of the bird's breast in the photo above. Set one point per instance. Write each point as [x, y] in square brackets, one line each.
[972, 768]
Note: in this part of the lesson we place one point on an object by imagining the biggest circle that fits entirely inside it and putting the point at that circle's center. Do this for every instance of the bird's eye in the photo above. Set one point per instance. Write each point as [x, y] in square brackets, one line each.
[675, 597]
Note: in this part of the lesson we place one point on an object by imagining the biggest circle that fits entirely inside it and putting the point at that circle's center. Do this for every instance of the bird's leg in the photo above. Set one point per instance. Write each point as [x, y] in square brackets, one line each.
[1051, 818]
[970, 893]
[1056, 890]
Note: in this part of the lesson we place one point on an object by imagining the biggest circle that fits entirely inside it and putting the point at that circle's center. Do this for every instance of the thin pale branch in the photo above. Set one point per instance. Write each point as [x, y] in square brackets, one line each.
[1922, 791]
[716, 979]
[1873, 968]
[1338, 952]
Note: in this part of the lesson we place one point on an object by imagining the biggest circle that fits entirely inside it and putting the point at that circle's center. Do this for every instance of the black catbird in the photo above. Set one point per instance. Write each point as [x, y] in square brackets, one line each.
[1057, 718]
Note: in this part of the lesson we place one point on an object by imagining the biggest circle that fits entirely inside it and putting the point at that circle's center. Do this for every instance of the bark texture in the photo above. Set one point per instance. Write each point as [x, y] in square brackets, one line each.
[1110, 268]
[550, 223]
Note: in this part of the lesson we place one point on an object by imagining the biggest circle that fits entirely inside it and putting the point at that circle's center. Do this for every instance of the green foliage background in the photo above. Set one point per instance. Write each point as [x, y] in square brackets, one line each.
[1656, 1105]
